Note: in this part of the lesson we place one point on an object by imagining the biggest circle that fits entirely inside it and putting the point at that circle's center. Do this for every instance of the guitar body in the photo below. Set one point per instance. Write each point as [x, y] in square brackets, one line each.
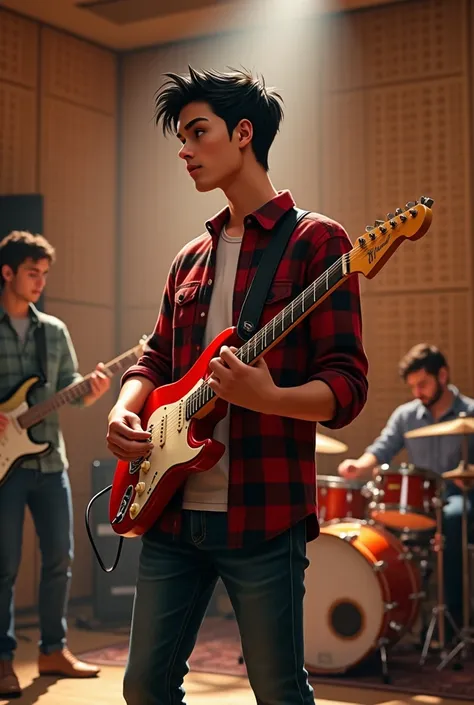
[16, 443]
[181, 447]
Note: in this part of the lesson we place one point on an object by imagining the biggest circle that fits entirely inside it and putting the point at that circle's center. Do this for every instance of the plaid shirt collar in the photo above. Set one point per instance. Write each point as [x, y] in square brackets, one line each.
[34, 314]
[267, 216]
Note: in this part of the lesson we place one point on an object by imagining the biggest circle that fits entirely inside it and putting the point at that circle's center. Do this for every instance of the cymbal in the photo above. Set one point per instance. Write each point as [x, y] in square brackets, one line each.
[460, 473]
[326, 444]
[456, 427]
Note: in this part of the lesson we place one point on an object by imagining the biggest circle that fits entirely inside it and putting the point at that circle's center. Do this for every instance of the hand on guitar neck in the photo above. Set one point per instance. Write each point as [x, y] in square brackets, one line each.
[100, 383]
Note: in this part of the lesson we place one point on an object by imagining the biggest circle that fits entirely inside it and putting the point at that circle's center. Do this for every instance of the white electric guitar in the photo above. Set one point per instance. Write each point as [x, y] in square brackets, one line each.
[15, 442]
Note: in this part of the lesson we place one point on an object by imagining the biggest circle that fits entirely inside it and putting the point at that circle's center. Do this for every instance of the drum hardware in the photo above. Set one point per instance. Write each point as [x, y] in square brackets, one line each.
[440, 610]
[382, 647]
[389, 606]
[463, 477]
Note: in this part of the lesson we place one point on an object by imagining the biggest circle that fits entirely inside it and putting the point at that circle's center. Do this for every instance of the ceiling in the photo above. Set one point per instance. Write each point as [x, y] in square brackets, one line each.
[130, 24]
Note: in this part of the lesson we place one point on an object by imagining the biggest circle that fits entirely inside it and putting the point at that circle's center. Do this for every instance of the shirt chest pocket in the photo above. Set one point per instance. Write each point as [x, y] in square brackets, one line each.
[280, 295]
[185, 302]
[279, 292]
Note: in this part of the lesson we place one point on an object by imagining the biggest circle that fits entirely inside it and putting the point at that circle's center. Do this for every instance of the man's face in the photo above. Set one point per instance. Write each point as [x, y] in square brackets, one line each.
[426, 387]
[29, 280]
[213, 159]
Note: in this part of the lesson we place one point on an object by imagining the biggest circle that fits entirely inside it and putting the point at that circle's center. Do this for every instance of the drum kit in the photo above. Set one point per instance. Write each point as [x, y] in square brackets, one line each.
[369, 568]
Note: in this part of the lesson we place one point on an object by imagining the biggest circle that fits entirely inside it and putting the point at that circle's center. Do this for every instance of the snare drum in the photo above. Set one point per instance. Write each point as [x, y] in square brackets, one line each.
[362, 590]
[405, 497]
[339, 498]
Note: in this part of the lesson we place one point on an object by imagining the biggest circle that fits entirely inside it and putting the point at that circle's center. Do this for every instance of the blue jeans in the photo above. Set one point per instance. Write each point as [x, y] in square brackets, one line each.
[453, 567]
[175, 583]
[48, 497]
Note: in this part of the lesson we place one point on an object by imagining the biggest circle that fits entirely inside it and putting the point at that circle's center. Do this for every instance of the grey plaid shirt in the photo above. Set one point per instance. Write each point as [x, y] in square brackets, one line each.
[19, 361]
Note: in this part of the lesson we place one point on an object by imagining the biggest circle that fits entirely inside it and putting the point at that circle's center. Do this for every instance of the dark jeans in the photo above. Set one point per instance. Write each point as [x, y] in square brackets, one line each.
[175, 583]
[49, 498]
[453, 567]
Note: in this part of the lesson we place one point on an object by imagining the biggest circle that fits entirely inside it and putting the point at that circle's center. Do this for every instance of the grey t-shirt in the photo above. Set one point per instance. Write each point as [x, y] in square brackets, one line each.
[21, 326]
[207, 491]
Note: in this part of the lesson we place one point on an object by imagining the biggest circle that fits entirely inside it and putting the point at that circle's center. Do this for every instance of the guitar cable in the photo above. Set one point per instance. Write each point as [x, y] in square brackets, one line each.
[91, 539]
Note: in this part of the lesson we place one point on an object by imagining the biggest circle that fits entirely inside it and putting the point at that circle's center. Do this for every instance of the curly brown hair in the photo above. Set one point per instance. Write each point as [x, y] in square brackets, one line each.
[19, 246]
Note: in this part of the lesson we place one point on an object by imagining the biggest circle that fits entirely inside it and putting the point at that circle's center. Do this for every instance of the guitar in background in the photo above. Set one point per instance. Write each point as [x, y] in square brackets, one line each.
[16, 442]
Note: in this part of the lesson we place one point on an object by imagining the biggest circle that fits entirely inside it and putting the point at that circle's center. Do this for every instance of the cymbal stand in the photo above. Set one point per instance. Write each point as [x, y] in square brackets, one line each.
[440, 610]
[466, 634]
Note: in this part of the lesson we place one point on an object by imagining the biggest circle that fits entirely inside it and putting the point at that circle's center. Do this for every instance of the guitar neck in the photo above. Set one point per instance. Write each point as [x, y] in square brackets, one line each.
[74, 391]
[279, 326]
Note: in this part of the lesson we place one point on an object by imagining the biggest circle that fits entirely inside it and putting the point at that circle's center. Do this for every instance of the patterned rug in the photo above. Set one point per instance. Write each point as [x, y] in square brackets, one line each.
[218, 650]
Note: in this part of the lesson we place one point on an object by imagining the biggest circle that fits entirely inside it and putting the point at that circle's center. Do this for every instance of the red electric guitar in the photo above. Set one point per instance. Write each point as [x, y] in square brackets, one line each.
[181, 416]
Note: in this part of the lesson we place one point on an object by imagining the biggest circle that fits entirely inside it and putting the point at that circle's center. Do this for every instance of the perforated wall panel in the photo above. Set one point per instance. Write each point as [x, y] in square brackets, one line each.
[78, 71]
[18, 50]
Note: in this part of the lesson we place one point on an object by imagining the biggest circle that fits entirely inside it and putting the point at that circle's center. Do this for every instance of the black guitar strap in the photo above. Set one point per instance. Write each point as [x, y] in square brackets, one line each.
[41, 356]
[258, 291]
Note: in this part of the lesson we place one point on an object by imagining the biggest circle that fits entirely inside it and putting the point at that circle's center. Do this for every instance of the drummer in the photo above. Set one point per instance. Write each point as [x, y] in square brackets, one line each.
[425, 370]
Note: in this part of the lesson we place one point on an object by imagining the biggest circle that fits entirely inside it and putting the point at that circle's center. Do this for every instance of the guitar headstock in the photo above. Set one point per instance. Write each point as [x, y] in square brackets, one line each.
[380, 241]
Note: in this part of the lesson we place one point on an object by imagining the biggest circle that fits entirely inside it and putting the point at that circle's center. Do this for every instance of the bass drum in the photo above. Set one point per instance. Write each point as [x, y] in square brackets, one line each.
[362, 590]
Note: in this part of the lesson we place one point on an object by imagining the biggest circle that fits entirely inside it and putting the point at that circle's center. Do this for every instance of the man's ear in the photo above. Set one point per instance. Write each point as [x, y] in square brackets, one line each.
[7, 273]
[244, 132]
[443, 376]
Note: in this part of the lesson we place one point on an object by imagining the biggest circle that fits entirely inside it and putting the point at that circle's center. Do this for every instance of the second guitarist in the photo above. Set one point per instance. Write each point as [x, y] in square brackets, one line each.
[40, 483]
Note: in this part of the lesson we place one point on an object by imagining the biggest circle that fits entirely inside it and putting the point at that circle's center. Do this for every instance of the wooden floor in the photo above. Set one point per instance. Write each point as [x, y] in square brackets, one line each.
[201, 688]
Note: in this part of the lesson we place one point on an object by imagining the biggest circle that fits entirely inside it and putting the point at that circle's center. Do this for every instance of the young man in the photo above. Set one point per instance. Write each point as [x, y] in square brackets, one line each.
[425, 370]
[41, 483]
[248, 518]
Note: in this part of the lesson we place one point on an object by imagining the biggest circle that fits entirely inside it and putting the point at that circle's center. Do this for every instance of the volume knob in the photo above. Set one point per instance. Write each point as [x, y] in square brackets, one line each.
[145, 466]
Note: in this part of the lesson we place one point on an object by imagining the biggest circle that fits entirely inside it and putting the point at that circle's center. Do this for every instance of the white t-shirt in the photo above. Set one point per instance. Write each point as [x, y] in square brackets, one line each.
[207, 491]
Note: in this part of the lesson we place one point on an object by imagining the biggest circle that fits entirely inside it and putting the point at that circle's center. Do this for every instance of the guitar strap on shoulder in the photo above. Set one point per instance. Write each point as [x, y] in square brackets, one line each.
[40, 340]
[258, 291]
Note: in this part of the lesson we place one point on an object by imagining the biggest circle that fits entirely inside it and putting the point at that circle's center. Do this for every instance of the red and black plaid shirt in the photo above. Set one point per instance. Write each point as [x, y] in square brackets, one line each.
[272, 474]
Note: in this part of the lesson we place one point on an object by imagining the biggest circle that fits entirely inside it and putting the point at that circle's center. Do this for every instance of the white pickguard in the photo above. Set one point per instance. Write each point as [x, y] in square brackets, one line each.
[170, 448]
[15, 442]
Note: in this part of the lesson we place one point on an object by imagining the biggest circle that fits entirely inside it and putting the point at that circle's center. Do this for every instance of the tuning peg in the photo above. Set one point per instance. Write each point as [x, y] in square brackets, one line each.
[426, 201]
[378, 223]
[398, 211]
[369, 228]
[390, 216]
[411, 204]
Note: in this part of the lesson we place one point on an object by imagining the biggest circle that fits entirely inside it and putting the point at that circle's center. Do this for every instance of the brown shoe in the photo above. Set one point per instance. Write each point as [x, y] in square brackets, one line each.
[63, 663]
[9, 684]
